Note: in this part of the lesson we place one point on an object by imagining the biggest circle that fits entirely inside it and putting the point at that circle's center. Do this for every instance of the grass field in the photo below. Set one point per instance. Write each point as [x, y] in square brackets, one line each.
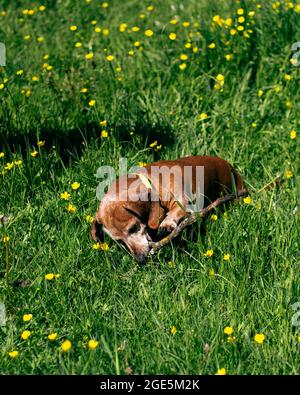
[88, 82]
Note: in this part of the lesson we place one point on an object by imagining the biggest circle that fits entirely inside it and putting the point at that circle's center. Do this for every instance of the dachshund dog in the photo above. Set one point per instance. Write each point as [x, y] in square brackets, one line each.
[158, 196]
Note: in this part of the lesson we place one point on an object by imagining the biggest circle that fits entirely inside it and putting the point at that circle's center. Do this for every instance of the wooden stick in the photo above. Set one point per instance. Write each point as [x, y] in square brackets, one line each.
[193, 217]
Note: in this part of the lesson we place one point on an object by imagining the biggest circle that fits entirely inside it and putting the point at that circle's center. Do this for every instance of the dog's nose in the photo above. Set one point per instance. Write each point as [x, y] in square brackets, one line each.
[141, 258]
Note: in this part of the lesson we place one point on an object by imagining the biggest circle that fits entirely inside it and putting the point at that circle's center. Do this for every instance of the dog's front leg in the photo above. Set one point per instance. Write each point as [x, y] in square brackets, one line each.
[173, 217]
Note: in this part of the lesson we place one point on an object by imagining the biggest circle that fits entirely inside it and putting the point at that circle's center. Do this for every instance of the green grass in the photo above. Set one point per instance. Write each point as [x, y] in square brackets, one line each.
[105, 295]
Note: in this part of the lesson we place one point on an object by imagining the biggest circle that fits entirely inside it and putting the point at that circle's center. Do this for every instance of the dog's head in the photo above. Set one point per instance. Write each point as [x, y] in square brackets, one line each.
[128, 221]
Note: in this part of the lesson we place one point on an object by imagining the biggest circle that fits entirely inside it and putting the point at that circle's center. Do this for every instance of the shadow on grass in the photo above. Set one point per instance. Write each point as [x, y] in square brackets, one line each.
[70, 143]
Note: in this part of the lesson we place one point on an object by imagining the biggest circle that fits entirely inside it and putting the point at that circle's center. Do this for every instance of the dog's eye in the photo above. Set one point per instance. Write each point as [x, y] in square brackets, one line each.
[135, 228]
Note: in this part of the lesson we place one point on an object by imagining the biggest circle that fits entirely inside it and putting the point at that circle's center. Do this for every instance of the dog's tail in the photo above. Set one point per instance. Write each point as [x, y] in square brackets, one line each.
[236, 181]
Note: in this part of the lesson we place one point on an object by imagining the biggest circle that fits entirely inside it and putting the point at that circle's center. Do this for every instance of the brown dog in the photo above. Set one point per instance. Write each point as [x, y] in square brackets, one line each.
[158, 196]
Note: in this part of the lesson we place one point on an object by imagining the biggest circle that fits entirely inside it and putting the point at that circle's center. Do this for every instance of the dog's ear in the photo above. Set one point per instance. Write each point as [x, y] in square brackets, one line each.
[156, 214]
[97, 231]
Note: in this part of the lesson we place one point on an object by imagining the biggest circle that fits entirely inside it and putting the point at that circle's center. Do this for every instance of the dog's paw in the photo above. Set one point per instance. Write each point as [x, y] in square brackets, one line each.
[167, 226]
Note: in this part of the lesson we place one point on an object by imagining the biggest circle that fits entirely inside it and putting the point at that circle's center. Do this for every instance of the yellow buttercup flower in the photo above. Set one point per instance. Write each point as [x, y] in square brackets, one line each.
[247, 200]
[171, 264]
[5, 239]
[71, 209]
[93, 344]
[66, 346]
[20, 72]
[293, 134]
[75, 185]
[101, 246]
[103, 123]
[89, 55]
[259, 338]
[9, 165]
[260, 92]
[105, 32]
[228, 22]
[208, 253]
[2, 154]
[288, 174]
[214, 217]
[49, 276]
[104, 134]
[288, 104]
[183, 66]
[212, 46]
[25, 335]
[203, 116]
[73, 28]
[183, 57]
[221, 372]
[173, 330]
[40, 143]
[89, 218]
[123, 27]
[240, 11]
[135, 29]
[104, 246]
[110, 58]
[92, 102]
[149, 33]
[78, 44]
[228, 330]
[52, 336]
[27, 317]
[226, 257]
[231, 339]
[172, 36]
[34, 153]
[65, 196]
[14, 354]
